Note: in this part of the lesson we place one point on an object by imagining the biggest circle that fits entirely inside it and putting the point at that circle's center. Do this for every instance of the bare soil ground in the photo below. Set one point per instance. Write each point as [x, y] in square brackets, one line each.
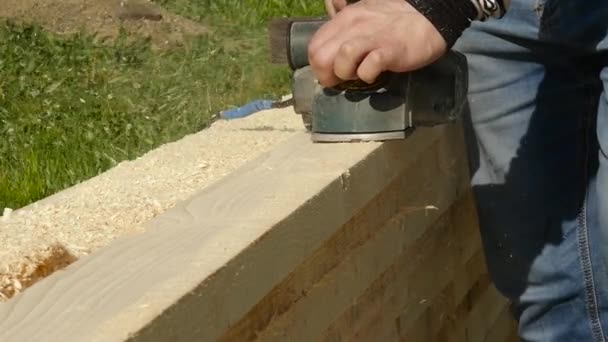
[104, 19]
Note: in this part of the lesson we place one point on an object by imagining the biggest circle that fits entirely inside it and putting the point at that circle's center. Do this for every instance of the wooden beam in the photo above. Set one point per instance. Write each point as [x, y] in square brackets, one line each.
[432, 272]
[392, 228]
[504, 329]
[283, 249]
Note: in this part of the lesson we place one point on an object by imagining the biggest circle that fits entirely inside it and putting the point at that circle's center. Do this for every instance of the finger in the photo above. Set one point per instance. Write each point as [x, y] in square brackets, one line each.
[350, 55]
[376, 62]
[323, 49]
[336, 26]
[322, 64]
[326, 32]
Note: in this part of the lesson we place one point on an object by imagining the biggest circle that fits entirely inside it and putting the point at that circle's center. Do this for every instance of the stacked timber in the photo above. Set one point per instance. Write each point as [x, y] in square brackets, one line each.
[310, 242]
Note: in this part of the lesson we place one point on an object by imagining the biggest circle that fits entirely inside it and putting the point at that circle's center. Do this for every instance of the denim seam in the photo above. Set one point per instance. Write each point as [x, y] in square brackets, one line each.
[584, 247]
[587, 267]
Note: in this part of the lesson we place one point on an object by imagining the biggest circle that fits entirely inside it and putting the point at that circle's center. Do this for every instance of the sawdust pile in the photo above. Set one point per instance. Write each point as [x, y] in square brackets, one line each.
[104, 19]
[48, 235]
[33, 267]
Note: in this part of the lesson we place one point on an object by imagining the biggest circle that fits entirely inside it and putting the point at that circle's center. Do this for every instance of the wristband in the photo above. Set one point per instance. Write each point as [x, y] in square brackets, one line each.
[452, 17]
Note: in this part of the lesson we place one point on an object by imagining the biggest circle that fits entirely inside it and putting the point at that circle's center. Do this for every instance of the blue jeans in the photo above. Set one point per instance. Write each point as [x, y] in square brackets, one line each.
[537, 124]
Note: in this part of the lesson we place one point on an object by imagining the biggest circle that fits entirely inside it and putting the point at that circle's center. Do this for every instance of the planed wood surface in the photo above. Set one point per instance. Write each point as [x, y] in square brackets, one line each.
[336, 242]
[357, 254]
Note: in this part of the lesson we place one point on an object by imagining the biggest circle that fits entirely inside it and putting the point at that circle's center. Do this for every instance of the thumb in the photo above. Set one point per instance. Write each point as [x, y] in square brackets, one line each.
[335, 6]
[340, 4]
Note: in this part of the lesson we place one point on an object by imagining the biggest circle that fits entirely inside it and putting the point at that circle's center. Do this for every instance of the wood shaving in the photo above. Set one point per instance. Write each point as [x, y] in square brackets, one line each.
[49, 235]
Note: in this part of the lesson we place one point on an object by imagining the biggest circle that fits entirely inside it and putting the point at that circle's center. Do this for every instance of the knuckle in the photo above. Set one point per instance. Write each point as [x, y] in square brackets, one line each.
[318, 60]
[313, 48]
[377, 58]
[312, 53]
[344, 74]
[350, 12]
[358, 18]
[348, 49]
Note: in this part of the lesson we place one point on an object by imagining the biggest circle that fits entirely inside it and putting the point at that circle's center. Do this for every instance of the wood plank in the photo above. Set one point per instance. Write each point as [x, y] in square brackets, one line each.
[503, 329]
[416, 276]
[514, 337]
[484, 314]
[445, 322]
[472, 319]
[397, 202]
[375, 240]
[451, 306]
[423, 287]
[202, 266]
[471, 269]
[444, 317]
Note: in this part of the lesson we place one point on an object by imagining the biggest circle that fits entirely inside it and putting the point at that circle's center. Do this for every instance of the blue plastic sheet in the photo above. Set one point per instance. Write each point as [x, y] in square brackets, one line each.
[247, 110]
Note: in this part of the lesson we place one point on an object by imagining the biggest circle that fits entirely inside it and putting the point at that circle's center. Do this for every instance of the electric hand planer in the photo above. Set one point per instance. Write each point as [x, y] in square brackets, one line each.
[389, 109]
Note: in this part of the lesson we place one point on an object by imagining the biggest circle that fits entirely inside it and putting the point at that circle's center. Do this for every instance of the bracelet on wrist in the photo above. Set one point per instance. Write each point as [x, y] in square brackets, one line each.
[490, 8]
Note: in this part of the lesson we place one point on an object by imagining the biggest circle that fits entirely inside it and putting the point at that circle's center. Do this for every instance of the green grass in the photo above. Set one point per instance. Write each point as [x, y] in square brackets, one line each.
[70, 109]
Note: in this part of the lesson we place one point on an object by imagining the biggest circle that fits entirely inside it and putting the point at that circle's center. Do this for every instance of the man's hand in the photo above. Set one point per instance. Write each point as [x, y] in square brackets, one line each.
[369, 37]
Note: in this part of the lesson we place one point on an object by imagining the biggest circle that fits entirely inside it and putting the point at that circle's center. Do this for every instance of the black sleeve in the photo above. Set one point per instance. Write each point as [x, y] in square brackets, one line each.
[452, 17]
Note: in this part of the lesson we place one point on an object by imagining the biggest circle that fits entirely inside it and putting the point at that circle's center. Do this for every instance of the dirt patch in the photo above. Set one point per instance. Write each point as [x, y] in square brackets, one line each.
[104, 19]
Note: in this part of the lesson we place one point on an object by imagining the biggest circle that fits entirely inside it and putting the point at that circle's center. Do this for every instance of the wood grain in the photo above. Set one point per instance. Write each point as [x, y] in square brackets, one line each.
[388, 234]
[308, 242]
[205, 264]
[404, 291]
[504, 329]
